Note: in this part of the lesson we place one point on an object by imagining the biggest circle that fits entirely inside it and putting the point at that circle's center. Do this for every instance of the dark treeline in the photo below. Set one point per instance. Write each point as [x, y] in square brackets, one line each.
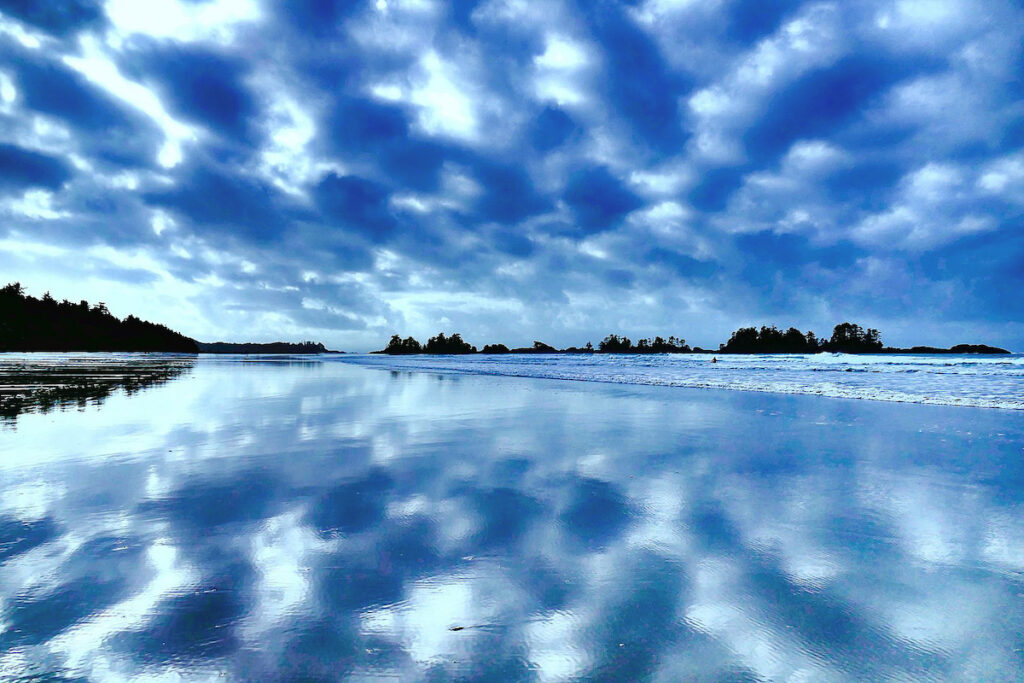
[846, 338]
[30, 324]
[306, 347]
[435, 345]
[454, 344]
[959, 348]
[613, 343]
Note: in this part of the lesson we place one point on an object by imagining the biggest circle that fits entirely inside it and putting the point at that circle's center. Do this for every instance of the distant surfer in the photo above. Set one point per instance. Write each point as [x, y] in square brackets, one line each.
[713, 359]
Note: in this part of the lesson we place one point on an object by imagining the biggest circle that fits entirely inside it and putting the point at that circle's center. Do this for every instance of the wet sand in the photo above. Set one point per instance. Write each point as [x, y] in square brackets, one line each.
[274, 519]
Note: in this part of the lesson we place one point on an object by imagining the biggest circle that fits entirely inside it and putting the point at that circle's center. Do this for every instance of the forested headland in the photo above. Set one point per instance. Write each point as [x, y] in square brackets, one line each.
[45, 324]
[306, 347]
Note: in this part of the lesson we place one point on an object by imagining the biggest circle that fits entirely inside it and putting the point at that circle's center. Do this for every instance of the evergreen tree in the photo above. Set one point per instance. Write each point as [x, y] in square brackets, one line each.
[30, 324]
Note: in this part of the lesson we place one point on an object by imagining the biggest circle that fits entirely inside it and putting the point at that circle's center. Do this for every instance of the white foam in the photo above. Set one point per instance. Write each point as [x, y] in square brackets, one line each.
[956, 380]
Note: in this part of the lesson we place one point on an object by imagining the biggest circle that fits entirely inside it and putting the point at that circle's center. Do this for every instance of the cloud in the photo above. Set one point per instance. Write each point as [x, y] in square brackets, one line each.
[356, 203]
[198, 85]
[551, 128]
[521, 156]
[820, 102]
[21, 168]
[319, 18]
[598, 199]
[749, 20]
[508, 194]
[649, 104]
[935, 205]
[212, 197]
[360, 124]
[104, 130]
[60, 18]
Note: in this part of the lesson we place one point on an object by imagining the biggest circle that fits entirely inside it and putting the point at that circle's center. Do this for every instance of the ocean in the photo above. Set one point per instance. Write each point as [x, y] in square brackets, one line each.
[981, 381]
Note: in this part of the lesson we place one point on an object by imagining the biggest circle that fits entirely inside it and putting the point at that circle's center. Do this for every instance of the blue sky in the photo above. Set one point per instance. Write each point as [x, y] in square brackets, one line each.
[516, 170]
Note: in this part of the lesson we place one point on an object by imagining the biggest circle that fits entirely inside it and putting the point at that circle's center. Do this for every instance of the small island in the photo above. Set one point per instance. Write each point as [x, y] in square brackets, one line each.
[846, 338]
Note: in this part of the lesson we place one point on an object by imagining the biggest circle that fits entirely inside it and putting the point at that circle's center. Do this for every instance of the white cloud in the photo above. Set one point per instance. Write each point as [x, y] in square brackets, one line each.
[721, 110]
[183, 21]
[34, 205]
[97, 65]
[929, 25]
[946, 109]
[935, 205]
[162, 221]
[27, 37]
[561, 71]
[808, 157]
[286, 159]
[561, 52]
[790, 198]
[664, 180]
[8, 92]
[523, 13]
[1004, 178]
[909, 227]
[404, 28]
[442, 93]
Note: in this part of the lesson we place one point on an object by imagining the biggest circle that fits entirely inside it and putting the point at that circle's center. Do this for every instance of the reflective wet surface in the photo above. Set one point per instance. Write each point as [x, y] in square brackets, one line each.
[303, 519]
[41, 382]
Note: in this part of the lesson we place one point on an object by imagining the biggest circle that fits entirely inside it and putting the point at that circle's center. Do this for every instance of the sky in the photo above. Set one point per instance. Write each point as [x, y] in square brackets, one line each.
[343, 171]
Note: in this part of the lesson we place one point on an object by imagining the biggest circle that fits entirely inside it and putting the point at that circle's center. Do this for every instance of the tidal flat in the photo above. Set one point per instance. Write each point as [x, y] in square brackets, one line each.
[308, 518]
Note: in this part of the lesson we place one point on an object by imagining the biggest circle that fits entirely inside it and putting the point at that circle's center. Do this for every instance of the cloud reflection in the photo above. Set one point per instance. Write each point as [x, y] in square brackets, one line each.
[330, 519]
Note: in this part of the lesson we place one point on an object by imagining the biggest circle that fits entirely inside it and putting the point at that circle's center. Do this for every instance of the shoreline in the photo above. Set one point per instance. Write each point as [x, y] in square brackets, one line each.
[821, 389]
[989, 382]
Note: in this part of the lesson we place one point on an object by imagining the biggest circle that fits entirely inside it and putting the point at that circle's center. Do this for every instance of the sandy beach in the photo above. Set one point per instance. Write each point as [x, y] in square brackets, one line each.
[264, 519]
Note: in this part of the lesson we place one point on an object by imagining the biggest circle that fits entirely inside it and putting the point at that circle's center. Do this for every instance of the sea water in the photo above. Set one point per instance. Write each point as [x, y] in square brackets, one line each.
[988, 381]
[277, 519]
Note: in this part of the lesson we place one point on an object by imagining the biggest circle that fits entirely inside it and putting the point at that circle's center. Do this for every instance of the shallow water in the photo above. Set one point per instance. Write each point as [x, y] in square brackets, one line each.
[305, 519]
[982, 381]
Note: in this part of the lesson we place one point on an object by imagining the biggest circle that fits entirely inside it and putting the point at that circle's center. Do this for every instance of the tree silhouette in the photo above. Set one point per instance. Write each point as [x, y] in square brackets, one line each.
[400, 347]
[448, 345]
[852, 338]
[495, 348]
[30, 324]
[439, 344]
[306, 347]
[846, 337]
[613, 343]
[769, 339]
